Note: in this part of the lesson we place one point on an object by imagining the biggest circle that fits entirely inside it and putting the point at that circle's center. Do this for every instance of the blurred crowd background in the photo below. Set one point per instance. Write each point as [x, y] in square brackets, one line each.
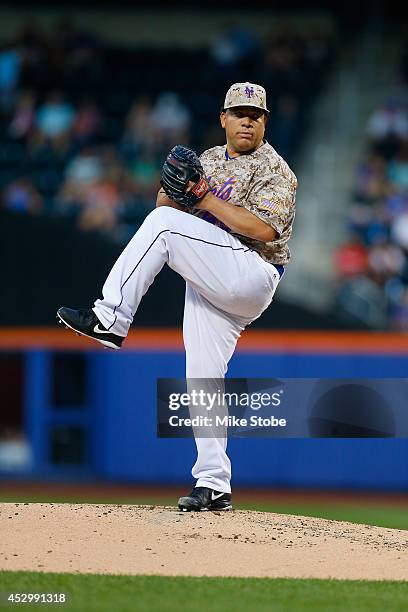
[372, 265]
[85, 126]
[86, 122]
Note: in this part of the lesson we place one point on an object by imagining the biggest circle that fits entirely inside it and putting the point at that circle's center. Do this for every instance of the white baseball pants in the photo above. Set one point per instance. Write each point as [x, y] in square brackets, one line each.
[227, 287]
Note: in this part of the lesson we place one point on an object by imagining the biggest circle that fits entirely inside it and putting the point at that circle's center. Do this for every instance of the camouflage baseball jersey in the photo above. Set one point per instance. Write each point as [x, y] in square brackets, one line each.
[263, 183]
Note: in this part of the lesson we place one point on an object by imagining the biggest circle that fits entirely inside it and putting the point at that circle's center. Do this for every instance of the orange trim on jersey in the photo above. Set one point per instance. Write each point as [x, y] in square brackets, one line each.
[255, 340]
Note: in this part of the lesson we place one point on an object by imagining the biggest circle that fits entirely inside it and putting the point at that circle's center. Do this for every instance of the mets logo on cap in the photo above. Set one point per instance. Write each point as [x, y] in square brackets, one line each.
[246, 94]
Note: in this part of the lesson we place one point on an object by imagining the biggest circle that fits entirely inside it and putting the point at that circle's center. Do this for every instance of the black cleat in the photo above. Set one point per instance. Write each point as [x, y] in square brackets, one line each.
[202, 498]
[85, 323]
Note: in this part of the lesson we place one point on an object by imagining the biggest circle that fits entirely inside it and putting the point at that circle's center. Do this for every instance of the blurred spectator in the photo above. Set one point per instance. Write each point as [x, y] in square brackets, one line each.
[397, 169]
[351, 259]
[85, 168]
[55, 116]
[23, 119]
[385, 261]
[399, 231]
[379, 218]
[377, 229]
[370, 180]
[395, 203]
[138, 134]
[54, 122]
[170, 120]
[10, 63]
[359, 218]
[100, 206]
[22, 196]
[87, 123]
[389, 120]
[387, 127]
[237, 45]
[99, 191]
[146, 172]
[81, 173]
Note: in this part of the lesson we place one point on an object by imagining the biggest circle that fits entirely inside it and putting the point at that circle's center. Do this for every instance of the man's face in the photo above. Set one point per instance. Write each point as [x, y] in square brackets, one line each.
[244, 127]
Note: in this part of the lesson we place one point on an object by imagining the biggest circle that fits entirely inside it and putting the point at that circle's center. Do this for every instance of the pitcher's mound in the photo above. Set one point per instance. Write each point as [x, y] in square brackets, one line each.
[118, 539]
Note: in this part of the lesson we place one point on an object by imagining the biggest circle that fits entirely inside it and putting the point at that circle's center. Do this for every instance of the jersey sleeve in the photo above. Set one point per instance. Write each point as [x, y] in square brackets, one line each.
[272, 199]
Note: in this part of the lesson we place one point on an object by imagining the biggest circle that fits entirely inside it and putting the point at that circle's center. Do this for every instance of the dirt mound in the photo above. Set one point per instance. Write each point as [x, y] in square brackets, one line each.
[122, 539]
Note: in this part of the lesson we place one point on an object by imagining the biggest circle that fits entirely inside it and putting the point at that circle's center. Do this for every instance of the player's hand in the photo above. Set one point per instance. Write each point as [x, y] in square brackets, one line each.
[183, 177]
[163, 200]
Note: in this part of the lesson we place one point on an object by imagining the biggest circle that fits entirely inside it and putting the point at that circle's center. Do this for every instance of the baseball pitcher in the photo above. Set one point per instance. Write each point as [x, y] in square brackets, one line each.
[223, 222]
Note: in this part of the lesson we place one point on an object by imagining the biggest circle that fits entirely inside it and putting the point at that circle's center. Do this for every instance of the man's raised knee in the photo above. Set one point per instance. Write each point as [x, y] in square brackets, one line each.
[165, 215]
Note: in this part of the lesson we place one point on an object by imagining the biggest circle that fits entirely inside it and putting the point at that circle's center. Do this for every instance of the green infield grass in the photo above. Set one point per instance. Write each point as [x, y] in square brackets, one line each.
[89, 592]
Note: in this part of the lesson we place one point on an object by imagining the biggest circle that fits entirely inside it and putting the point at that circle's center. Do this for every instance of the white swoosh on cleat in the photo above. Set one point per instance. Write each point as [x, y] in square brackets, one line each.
[100, 331]
[214, 497]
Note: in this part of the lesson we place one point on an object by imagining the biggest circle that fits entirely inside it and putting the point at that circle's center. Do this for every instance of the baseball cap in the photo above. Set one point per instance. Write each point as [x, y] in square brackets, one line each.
[246, 94]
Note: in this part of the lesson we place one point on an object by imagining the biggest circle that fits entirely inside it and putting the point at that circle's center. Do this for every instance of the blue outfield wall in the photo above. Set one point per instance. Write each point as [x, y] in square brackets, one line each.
[121, 423]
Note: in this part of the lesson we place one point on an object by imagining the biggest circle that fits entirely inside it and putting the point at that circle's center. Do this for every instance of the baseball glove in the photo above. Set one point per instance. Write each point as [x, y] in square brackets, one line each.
[181, 167]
